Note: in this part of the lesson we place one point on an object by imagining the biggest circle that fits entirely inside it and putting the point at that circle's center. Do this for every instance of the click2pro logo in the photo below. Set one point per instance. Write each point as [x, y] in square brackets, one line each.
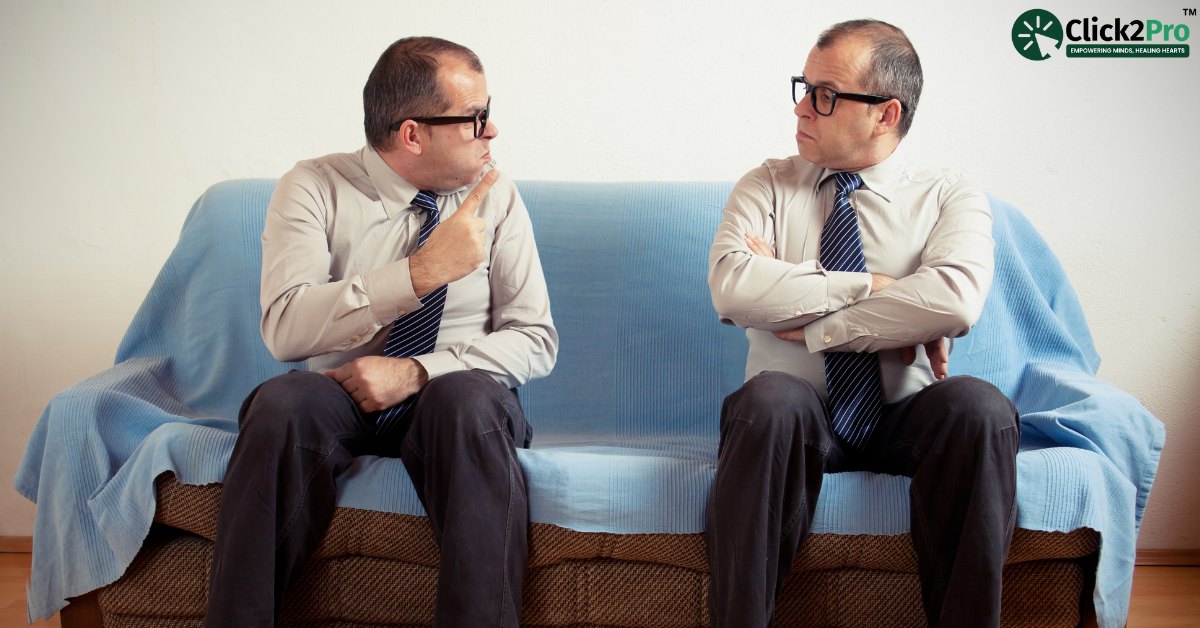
[1038, 34]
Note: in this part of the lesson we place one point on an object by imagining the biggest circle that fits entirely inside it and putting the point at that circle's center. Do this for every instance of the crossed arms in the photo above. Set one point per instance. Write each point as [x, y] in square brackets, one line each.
[940, 294]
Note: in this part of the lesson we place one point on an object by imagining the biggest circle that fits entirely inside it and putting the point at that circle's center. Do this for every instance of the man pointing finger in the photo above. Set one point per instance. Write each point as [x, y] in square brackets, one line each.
[406, 275]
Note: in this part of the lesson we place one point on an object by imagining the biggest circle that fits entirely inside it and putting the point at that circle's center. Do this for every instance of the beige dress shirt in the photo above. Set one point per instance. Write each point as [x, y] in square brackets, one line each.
[338, 235]
[927, 227]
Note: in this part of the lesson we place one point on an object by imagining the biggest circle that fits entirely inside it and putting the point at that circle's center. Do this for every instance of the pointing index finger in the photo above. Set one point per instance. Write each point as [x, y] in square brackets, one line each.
[471, 203]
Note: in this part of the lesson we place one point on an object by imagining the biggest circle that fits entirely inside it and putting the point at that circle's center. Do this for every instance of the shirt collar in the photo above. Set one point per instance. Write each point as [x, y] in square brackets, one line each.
[394, 191]
[882, 178]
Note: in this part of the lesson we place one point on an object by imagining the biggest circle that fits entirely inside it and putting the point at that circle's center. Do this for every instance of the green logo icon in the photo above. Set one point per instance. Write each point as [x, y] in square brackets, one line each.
[1037, 34]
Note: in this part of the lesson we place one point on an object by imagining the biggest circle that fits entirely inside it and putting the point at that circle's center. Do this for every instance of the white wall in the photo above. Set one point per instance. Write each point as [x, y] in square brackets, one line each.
[115, 116]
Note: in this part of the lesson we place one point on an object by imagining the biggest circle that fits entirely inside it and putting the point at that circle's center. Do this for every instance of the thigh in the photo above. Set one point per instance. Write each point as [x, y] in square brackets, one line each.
[304, 409]
[772, 410]
[462, 404]
[949, 414]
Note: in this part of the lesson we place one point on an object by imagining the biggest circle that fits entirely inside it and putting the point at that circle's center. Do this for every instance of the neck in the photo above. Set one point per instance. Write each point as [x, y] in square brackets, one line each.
[875, 154]
[404, 164]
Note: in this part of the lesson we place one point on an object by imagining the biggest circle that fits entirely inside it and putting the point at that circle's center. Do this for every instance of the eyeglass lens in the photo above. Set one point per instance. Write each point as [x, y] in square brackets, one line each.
[481, 120]
[822, 98]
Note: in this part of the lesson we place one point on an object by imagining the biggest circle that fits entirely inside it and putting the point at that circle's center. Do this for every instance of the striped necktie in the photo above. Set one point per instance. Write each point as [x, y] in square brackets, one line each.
[416, 332]
[852, 378]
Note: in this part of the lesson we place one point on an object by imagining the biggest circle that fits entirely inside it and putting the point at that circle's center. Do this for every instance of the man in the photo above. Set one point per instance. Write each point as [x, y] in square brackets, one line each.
[419, 303]
[840, 262]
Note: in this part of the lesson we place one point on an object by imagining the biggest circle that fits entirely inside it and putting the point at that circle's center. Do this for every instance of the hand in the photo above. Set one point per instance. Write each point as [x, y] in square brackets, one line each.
[938, 358]
[879, 282]
[455, 248]
[759, 246]
[376, 383]
[791, 335]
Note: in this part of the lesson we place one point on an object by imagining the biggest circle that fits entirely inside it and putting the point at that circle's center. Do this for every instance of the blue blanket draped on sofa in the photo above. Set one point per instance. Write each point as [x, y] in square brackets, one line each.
[626, 426]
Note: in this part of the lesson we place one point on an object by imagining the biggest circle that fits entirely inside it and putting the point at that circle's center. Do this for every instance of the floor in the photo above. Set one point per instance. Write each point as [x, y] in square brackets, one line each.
[1162, 596]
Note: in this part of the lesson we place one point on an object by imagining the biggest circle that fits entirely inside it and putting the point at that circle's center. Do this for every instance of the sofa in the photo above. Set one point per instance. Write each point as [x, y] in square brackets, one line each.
[126, 466]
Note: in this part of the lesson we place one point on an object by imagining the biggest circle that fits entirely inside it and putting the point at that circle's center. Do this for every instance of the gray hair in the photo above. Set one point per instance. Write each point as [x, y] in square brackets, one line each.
[404, 84]
[894, 69]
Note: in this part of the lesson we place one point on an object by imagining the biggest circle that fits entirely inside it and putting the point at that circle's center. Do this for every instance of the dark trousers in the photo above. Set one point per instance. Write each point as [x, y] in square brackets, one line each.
[957, 439]
[300, 430]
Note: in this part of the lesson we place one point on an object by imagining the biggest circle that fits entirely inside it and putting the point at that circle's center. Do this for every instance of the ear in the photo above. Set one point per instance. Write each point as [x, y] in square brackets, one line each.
[409, 138]
[887, 117]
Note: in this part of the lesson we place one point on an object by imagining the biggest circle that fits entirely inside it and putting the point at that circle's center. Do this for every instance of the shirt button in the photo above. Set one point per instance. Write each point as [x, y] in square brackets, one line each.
[799, 313]
[401, 312]
[828, 338]
[357, 338]
[849, 300]
[874, 334]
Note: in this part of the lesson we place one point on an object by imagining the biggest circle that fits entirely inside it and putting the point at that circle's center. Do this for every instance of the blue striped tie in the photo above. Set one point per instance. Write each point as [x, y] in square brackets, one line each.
[415, 333]
[853, 378]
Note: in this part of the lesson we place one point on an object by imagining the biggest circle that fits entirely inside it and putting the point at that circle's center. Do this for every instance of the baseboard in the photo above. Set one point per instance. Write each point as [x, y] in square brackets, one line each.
[16, 544]
[1168, 557]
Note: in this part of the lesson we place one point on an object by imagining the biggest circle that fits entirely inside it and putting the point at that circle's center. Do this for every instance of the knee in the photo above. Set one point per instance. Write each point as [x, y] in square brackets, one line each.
[777, 404]
[286, 401]
[978, 407]
[463, 401]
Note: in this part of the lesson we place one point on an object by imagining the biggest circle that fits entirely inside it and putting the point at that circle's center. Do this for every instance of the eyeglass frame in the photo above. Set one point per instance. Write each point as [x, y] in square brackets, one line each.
[480, 120]
[811, 91]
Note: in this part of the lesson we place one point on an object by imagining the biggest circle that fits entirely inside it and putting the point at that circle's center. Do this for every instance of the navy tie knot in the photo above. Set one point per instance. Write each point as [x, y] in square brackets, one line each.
[425, 202]
[847, 182]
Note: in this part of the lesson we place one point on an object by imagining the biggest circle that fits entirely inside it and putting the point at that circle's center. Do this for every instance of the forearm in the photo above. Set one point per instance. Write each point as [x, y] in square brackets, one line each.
[513, 356]
[762, 293]
[317, 318]
[914, 310]
[942, 298]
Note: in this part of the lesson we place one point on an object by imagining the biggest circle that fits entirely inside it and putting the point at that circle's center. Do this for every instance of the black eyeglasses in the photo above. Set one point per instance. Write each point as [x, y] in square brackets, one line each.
[480, 120]
[823, 99]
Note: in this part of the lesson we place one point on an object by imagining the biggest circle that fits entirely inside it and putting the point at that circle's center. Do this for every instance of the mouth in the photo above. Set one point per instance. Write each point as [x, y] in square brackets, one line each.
[801, 135]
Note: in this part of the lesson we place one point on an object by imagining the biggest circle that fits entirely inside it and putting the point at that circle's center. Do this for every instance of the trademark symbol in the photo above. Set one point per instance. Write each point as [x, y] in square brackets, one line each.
[1189, 11]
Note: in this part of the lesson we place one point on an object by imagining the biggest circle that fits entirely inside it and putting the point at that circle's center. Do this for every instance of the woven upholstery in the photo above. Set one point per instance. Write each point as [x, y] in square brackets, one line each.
[376, 568]
[409, 538]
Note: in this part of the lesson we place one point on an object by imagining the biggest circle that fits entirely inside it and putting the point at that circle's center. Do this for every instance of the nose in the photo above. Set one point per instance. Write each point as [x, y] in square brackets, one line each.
[804, 108]
[490, 131]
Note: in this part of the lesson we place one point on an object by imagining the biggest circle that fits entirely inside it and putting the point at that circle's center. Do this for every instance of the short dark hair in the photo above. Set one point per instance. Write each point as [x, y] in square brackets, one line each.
[404, 84]
[895, 68]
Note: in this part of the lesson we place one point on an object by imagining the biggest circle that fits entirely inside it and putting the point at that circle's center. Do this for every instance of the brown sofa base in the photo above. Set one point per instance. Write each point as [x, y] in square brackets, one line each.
[380, 569]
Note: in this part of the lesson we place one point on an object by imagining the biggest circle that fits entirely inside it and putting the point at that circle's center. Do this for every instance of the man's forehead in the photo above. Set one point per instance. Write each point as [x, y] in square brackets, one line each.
[463, 85]
[838, 65]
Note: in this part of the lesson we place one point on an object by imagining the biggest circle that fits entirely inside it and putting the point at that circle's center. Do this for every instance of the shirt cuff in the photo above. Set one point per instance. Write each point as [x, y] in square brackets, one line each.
[846, 288]
[439, 363]
[390, 291]
[826, 332]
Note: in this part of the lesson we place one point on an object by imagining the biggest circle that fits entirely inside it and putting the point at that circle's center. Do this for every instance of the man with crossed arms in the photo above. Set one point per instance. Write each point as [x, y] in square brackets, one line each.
[420, 305]
[840, 262]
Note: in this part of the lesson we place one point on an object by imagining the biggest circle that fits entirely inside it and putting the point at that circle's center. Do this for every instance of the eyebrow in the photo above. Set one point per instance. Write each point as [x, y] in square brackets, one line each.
[474, 109]
[832, 86]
